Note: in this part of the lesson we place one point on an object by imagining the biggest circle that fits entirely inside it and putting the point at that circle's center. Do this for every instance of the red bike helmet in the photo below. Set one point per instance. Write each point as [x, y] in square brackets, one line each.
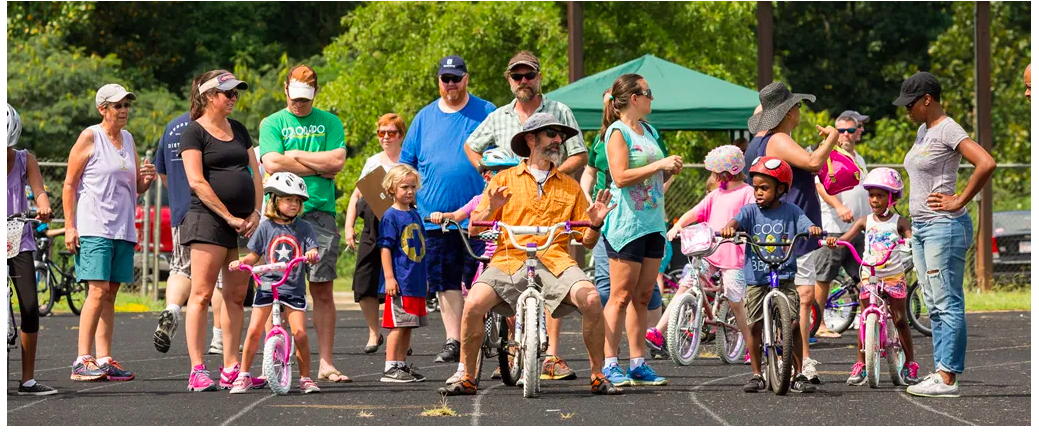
[774, 167]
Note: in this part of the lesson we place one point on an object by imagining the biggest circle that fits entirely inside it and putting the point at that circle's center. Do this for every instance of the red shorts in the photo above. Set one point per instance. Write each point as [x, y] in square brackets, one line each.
[404, 312]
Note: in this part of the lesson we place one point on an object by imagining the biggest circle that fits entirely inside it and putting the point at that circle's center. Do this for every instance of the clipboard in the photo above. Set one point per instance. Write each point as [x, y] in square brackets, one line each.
[371, 189]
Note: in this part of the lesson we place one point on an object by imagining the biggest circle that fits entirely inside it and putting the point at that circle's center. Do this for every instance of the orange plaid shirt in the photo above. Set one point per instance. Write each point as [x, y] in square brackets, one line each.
[563, 200]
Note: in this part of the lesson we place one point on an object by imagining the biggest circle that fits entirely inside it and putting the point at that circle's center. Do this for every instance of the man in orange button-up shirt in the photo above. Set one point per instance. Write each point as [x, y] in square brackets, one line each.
[534, 193]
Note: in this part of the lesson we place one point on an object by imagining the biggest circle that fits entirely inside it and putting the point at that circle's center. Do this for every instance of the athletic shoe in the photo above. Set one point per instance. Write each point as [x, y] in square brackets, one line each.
[602, 386]
[199, 380]
[858, 375]
[465, 386]
[746, 360]
[802, 385]
[241, 385]
[934, 386]
[661, 354]
[614, 374]
[37, 389]
[645, 376]
[554, 368]
[756, 383]
[417, 376]
[216, 346]
[654, 339]
[228, 377]
[808, 369]
[450, 352]
[456, 377]
[166, 330]
[88, 370]
[396, 374]
[307, 386]
[812, 341]
[496, 375]
[909, 371]
[115, 372]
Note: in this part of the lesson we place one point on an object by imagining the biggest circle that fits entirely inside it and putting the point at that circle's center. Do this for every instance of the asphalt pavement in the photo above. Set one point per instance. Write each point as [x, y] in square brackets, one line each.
[995, 388]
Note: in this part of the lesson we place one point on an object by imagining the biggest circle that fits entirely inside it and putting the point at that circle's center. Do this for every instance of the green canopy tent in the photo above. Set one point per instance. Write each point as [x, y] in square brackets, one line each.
[684, 99]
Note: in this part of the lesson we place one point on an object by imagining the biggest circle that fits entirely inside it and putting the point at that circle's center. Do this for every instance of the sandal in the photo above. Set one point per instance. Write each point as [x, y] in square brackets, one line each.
[339, 377]
[827, 334]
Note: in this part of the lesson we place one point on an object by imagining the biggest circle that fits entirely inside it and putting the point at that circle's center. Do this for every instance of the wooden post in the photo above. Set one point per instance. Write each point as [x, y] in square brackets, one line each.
[983, 132]
[575, 52]
[765, 48]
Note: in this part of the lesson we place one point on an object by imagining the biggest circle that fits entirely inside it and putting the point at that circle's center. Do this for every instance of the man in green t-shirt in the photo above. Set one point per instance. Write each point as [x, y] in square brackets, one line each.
[310, 143]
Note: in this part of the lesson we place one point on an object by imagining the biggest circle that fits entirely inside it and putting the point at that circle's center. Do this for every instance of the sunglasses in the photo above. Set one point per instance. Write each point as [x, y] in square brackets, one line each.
[519, 77]
[448, 79]
[300, 101]
[118, 106]
[230, 94]
[909, 107]
[851, 130]
[648, 93]
[552, 133]
[387, 133]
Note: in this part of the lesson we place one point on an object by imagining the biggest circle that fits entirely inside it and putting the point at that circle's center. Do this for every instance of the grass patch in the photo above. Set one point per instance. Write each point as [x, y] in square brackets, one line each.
[1019, 299]
[440, 411]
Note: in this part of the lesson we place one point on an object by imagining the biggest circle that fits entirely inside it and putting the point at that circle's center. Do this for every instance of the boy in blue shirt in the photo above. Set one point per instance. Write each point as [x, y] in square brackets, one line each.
[770, 220]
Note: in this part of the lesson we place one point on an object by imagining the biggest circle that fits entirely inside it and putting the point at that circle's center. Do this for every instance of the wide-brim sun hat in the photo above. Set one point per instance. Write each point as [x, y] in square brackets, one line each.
[776, 100]
[537, 122]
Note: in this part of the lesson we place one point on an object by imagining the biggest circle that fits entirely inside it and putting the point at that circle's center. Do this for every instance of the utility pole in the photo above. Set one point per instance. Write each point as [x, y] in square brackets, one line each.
[575, 39]
[983, 131]
[765, 49]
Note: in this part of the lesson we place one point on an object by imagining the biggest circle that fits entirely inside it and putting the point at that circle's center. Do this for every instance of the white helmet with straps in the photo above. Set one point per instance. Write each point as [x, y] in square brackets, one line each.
[14, 126]
[286, 184]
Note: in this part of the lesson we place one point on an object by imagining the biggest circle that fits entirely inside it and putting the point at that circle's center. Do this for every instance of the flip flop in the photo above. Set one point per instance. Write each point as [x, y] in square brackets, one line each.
[827, 334]
[340, 378]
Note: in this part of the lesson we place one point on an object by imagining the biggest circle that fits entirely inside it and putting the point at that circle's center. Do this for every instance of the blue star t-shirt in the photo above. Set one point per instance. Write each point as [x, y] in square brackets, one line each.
[776, 225]
[403, 234]
[281, 243]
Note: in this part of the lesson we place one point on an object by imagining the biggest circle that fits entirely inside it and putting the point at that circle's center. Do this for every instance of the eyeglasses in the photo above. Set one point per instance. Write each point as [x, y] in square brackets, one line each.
[909, 107]
[448, 79]
[300, 101]
[118, 106]
[798, 105]
[387, 133]
[851, 130]
[648, 93]
[552, 133]
[230, 94]
[519, 77]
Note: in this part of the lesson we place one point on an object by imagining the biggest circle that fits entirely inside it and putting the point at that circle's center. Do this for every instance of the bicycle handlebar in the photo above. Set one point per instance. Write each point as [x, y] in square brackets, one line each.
[756, 246]
[279, 266]
[465, 238]
[27, 216]
[568, 227]
[858, 259]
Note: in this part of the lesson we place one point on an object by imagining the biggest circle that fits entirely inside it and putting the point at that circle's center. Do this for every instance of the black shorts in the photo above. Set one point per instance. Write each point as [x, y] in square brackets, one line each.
[650, 246]
[207, 227]
[448, 264]
[368, 271]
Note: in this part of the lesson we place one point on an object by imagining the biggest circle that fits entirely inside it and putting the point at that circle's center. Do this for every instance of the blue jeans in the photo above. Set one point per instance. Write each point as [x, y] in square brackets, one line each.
[939, 255]
[602, 277]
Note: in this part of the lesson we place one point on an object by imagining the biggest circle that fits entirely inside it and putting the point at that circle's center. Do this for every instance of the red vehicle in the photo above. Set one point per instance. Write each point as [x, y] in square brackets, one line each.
[165, 233]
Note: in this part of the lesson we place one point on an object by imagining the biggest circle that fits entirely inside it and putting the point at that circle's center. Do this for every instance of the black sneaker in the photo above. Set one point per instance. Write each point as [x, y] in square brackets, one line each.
[450, 352]
[802, 385]
[397, 375]
[417, 376]
[36, 389]
[756, 383]
[165, 331]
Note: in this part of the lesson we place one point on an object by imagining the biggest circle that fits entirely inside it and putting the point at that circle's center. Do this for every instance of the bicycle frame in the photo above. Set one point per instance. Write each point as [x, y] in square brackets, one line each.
[256, 272]
[774, 264]
[878, 296]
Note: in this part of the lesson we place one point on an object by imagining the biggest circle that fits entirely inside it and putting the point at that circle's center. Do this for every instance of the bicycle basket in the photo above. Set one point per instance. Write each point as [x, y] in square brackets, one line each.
[15, 229]
[697, 240]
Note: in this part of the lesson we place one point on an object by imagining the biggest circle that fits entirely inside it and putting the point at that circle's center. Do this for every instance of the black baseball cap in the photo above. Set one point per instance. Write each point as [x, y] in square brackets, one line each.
[916, 86]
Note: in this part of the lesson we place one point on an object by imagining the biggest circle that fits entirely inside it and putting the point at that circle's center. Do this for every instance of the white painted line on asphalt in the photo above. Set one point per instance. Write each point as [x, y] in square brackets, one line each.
[692, 396]
[906, 397]
[246, 410]
[475, 420]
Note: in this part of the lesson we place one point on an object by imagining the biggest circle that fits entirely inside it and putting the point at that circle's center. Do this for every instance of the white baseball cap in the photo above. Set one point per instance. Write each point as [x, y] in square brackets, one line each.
[112, 93]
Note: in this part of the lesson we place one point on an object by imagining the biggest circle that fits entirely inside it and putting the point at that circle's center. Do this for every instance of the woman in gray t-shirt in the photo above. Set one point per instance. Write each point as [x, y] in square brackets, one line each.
[942, 228]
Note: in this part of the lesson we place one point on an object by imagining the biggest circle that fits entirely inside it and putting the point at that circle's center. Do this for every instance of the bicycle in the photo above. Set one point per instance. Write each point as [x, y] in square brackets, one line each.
[496, 336]
[876, 327]
[56, 279]
[696, 315]
[530, 329]
[278, 347]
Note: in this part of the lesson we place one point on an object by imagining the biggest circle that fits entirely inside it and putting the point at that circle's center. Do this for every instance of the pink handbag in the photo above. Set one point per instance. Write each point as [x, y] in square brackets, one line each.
[840, 173]
[697, 239]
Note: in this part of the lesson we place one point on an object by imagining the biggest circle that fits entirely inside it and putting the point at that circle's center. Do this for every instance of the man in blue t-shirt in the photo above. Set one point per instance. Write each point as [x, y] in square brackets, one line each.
[178, 286]
[433, 146]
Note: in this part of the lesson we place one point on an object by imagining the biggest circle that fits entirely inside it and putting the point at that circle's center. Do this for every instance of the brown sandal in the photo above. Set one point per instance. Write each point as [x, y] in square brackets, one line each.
[340, 378]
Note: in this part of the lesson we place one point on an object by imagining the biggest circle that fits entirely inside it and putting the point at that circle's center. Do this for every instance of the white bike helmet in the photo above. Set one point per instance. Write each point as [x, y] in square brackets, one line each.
[14, 126]
[286, 184]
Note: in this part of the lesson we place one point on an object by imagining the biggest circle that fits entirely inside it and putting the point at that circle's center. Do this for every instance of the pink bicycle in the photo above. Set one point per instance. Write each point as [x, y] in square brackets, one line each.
[877, 331]
[278, 347]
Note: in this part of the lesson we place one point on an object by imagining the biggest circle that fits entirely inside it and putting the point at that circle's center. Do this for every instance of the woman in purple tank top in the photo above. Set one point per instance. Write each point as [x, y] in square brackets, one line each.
[103, 180]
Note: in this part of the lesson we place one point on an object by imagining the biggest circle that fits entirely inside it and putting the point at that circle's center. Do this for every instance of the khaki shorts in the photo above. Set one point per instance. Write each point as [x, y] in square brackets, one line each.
[327, 246]
[180, 263]
[555, 290]
[755, 297]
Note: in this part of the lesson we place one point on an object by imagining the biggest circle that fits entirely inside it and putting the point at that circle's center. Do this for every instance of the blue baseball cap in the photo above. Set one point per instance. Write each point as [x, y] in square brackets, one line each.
[452, 65]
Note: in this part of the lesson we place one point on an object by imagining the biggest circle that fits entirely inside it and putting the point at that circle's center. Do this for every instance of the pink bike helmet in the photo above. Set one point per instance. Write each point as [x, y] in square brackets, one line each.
[727, 158]
[885, 178]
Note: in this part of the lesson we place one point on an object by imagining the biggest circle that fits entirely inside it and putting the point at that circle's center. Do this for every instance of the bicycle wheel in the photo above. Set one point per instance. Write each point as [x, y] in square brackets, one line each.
[839, 313]
[872, 348]
[730, 341]
[816, 319]
[275, 364]
[894, 355]
[780, 348]
[44, 293]
[916, 311]
[531, 345]
[683, 329]
[508, 363]
[671, 280]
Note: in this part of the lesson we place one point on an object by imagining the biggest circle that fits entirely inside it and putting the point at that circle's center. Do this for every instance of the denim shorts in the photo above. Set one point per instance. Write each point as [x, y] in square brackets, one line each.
[101, 259]
[602, 277]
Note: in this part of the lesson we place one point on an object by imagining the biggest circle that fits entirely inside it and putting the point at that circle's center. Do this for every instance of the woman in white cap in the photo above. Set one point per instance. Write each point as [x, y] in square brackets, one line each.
[225, 202]
[103, 180]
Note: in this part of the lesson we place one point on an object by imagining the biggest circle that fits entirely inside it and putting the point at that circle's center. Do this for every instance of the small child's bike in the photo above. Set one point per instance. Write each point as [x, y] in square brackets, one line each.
[877, 331]
[278, 347]
[530, 318]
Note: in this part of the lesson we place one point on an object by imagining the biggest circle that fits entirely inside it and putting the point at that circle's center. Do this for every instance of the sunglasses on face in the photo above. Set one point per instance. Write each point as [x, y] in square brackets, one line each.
[387, 133]
[448, 79]
[851, 130]
[648, 93]
[552, 133]
[230, 94]
[299, 101]
[519, 77]
[909, 107]
[118, 106]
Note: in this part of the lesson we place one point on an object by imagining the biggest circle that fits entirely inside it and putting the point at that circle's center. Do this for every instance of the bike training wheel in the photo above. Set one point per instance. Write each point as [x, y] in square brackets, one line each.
[275, 365]
[916, 311]
[531, 345]
[509, 363]
[781, 348]
[841, 315]
[872, 348]
[683, 332]
[894, 355]
[731, 345]
[44, 293]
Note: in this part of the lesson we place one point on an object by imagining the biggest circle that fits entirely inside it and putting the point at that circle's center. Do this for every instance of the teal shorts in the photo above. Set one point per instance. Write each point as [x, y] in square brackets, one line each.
[104, 259]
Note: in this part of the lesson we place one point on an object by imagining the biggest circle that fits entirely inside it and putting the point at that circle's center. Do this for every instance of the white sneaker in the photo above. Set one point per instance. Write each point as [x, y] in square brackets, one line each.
[808, 369]
[456, 377]
[933, 386]
[216, 346]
